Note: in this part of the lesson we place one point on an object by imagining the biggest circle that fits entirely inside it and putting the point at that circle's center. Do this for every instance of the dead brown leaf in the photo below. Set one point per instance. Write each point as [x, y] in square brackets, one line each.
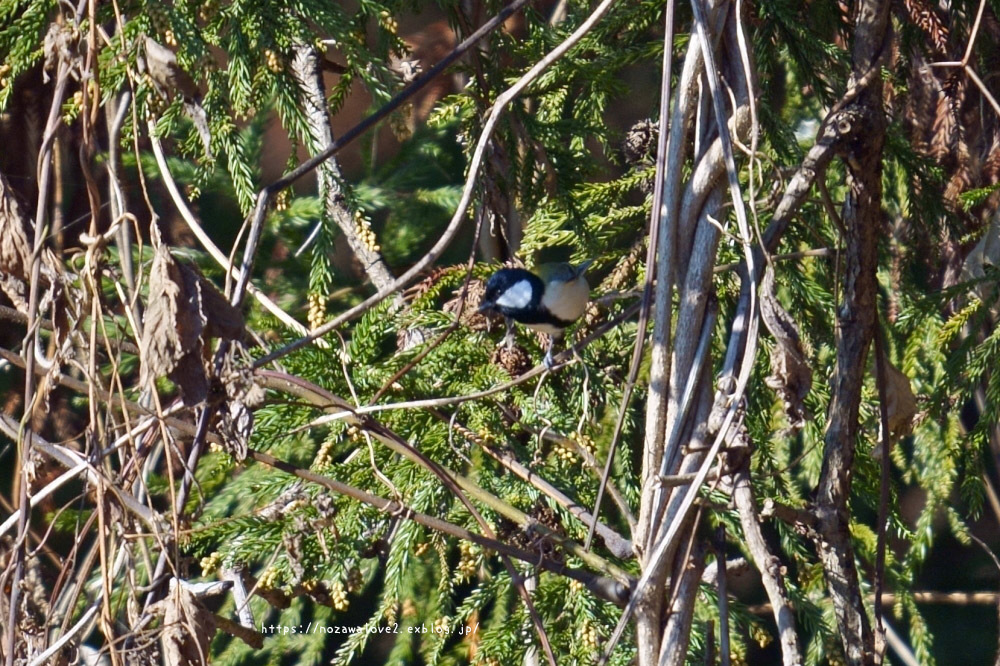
[184, 312]
[901, 403]
[791, 376]
[188, 627]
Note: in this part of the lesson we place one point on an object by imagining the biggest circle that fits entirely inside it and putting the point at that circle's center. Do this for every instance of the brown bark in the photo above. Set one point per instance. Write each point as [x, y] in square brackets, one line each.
[861, 130]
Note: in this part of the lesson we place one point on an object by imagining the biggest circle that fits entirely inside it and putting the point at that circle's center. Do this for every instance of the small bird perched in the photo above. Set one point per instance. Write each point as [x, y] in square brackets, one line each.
[548, 302]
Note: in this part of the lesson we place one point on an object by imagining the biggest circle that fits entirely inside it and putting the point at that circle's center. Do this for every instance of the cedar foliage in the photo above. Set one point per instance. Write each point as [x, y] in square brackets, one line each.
[556, 171]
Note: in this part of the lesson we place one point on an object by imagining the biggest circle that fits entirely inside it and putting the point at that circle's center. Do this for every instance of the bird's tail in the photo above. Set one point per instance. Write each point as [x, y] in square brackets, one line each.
[582, 268]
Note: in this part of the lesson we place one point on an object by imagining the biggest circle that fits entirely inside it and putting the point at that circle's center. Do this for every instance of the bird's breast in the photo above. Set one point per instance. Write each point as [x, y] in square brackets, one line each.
[566, 301]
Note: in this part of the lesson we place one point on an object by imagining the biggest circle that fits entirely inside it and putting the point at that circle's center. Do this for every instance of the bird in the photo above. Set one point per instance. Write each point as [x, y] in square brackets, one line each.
[549, 300]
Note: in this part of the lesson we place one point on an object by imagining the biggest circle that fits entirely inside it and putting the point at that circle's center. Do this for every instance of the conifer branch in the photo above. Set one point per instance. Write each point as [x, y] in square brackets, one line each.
[619, 546]
[588, 459]
[326, 400]
[608, 588]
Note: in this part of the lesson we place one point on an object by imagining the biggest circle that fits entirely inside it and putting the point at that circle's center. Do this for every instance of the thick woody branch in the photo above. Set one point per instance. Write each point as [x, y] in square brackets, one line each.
[677, 633]
[306, 69]
[770, 567]
[862, 216]
[681, 123]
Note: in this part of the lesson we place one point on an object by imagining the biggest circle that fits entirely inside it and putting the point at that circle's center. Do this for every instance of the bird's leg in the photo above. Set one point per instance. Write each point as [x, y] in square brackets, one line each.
[549, 361]
[508, 338]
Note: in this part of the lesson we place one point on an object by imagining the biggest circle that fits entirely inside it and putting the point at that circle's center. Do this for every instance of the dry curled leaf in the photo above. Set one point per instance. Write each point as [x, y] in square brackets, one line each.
[900, 401]
[235, 425]
[15, 248]
[188, 627]
[791, 376]
[167, 75]
[170, 80]
[60, 42]
[184, 311]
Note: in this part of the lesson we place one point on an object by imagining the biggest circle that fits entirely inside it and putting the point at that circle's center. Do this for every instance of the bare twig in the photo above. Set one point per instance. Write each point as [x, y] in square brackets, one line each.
[900, 647]
[885, 463]
[619, 546]
[767, 563]
[677, 632]
[723, 595]
[30, 346]
[326, 400]
[588, 458]
[429, 403]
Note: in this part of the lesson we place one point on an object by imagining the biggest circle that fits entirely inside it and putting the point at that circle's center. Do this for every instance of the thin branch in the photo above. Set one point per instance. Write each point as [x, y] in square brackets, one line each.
[881, 378]
[900, 647]
[326, 400]
[920, 597]
[973, 34]
[677, 632]
[563, 357]
[618, 545]
[29, 346]
[767, 563]
[40, 494]
[72, 460]
[723, 596]
[856, 317]
[787, 256]
[588, 458]
[66, 636]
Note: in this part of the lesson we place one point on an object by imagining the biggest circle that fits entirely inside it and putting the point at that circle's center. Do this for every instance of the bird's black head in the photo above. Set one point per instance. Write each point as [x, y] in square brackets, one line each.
[512, 292]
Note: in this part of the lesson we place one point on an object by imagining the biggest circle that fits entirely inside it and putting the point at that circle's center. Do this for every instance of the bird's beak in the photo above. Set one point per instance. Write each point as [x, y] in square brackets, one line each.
[582, 268]
[486, 306]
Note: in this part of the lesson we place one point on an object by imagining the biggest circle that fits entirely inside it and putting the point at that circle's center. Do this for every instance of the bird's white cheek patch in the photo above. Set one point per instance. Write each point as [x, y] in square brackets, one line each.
[517, 297]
